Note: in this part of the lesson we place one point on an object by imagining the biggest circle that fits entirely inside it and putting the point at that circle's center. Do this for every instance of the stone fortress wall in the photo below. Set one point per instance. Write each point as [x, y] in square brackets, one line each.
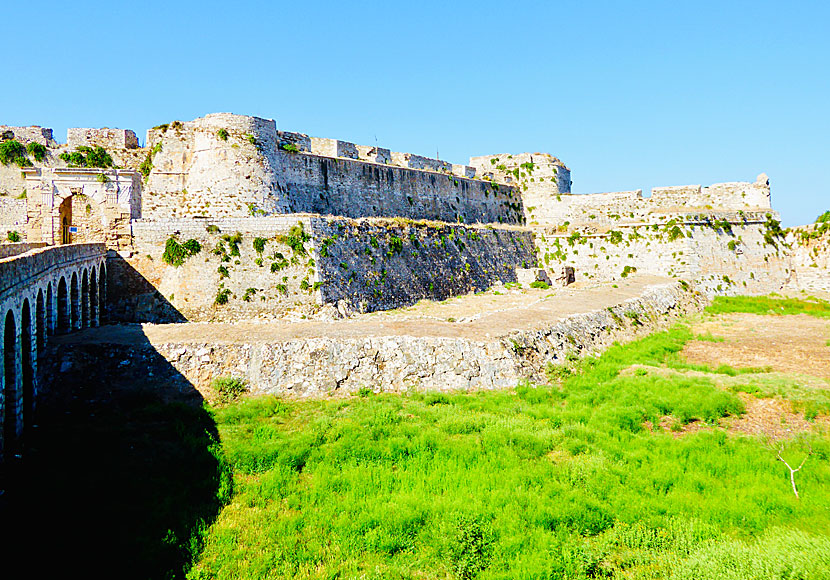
[382, 229]
[810, 257]
[269, 266]
[225, 165]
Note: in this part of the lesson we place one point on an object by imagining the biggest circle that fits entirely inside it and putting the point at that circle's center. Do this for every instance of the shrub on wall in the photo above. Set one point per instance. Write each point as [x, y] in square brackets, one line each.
[175, 253]
[14, 152]
[13, 236]
[36, 150]
[84, 156]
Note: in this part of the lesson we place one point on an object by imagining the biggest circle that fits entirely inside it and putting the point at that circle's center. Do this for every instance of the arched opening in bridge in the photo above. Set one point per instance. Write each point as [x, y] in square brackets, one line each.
[27, 365]
[65, 220]
[93, 298]
[85, 299]
[74, 303]
[102, 291]
[50, 305]
[40, 326]
[63, 307]
[10, 398]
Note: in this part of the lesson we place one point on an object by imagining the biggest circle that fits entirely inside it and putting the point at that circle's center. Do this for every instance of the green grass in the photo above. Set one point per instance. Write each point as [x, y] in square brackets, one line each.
[770, 305]
[536, 482]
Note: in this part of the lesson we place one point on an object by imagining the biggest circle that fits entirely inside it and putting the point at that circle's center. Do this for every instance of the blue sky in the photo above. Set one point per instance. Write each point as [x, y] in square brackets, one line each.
[629, 95]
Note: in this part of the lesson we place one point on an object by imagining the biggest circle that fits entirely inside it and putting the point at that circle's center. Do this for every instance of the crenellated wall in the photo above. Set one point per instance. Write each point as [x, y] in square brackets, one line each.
[626, 207]
[227, 165]
[104, 137]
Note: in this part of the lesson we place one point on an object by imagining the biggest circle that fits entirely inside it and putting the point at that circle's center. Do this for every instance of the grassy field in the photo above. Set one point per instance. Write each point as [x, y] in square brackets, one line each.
[569, 480]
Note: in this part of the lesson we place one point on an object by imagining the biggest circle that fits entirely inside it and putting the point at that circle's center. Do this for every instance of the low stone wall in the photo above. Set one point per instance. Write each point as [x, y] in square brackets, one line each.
[310, 366]
[356, 265]
[15, 249]
[718, 254]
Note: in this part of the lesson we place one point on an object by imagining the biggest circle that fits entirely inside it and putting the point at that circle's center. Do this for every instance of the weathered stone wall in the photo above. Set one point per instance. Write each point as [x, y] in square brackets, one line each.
[15, 249]
[623, 207]
[233, 166]
[724, 253]
[810, 255]
[12, 216]
[26, 135]
[318, 365]
[104, 137]
[376, 264]
[355, 265]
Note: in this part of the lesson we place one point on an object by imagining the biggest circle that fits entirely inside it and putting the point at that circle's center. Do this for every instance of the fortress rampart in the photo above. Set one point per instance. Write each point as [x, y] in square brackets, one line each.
[226, 165]
[305, 262]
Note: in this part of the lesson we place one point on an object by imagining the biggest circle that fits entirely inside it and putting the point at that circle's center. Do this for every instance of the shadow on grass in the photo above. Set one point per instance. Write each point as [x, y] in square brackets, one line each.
[122, 474]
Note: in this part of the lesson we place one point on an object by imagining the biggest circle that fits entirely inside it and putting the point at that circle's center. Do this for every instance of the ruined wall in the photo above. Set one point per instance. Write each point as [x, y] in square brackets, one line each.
[810, 255]
[26, 135]
[104, 137]
[626, 207]
[233, 166]
[355, 265]
[723, 254]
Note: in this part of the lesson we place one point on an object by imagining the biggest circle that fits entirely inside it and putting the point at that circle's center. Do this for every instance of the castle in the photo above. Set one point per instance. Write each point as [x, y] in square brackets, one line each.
[225, 217]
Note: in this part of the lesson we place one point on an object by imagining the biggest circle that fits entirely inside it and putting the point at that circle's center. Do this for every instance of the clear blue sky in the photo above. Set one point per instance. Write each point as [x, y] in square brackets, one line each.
[628, 94]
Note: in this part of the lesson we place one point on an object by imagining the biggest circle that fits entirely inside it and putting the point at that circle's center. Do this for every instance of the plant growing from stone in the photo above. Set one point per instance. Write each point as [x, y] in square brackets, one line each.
[175, 253]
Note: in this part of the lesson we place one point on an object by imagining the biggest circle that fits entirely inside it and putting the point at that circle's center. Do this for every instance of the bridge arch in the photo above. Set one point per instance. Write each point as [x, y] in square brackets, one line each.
[84, 299]
[10, 386]
[63, 307]
[94, 305]
[28, 365]
[75, 321]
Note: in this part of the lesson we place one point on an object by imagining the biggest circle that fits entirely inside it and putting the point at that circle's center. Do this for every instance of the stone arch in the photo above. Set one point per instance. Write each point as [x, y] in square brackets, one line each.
[64, 320]
[102, 290]
[75, 321]
[94, 306]
[10, 390]
[50, 310]
[84, 299]
[28, 364]
[40, 327]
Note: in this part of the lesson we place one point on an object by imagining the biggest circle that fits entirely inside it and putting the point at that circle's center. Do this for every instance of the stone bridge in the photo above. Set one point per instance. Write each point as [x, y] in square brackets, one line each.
[43, 291]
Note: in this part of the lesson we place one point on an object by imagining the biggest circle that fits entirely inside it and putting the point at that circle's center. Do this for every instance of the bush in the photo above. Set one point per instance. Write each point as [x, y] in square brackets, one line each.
[84, 156]
[229, 388]
[472, 547]
[13, 236]
[540, 284]
[37, 151]
[290, 147]
[823, 218]
[222, 134]
[11, 151]
[175, 253]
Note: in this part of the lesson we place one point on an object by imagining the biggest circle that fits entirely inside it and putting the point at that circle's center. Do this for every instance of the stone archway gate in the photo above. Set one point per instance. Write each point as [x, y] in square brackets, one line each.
[45, 291]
